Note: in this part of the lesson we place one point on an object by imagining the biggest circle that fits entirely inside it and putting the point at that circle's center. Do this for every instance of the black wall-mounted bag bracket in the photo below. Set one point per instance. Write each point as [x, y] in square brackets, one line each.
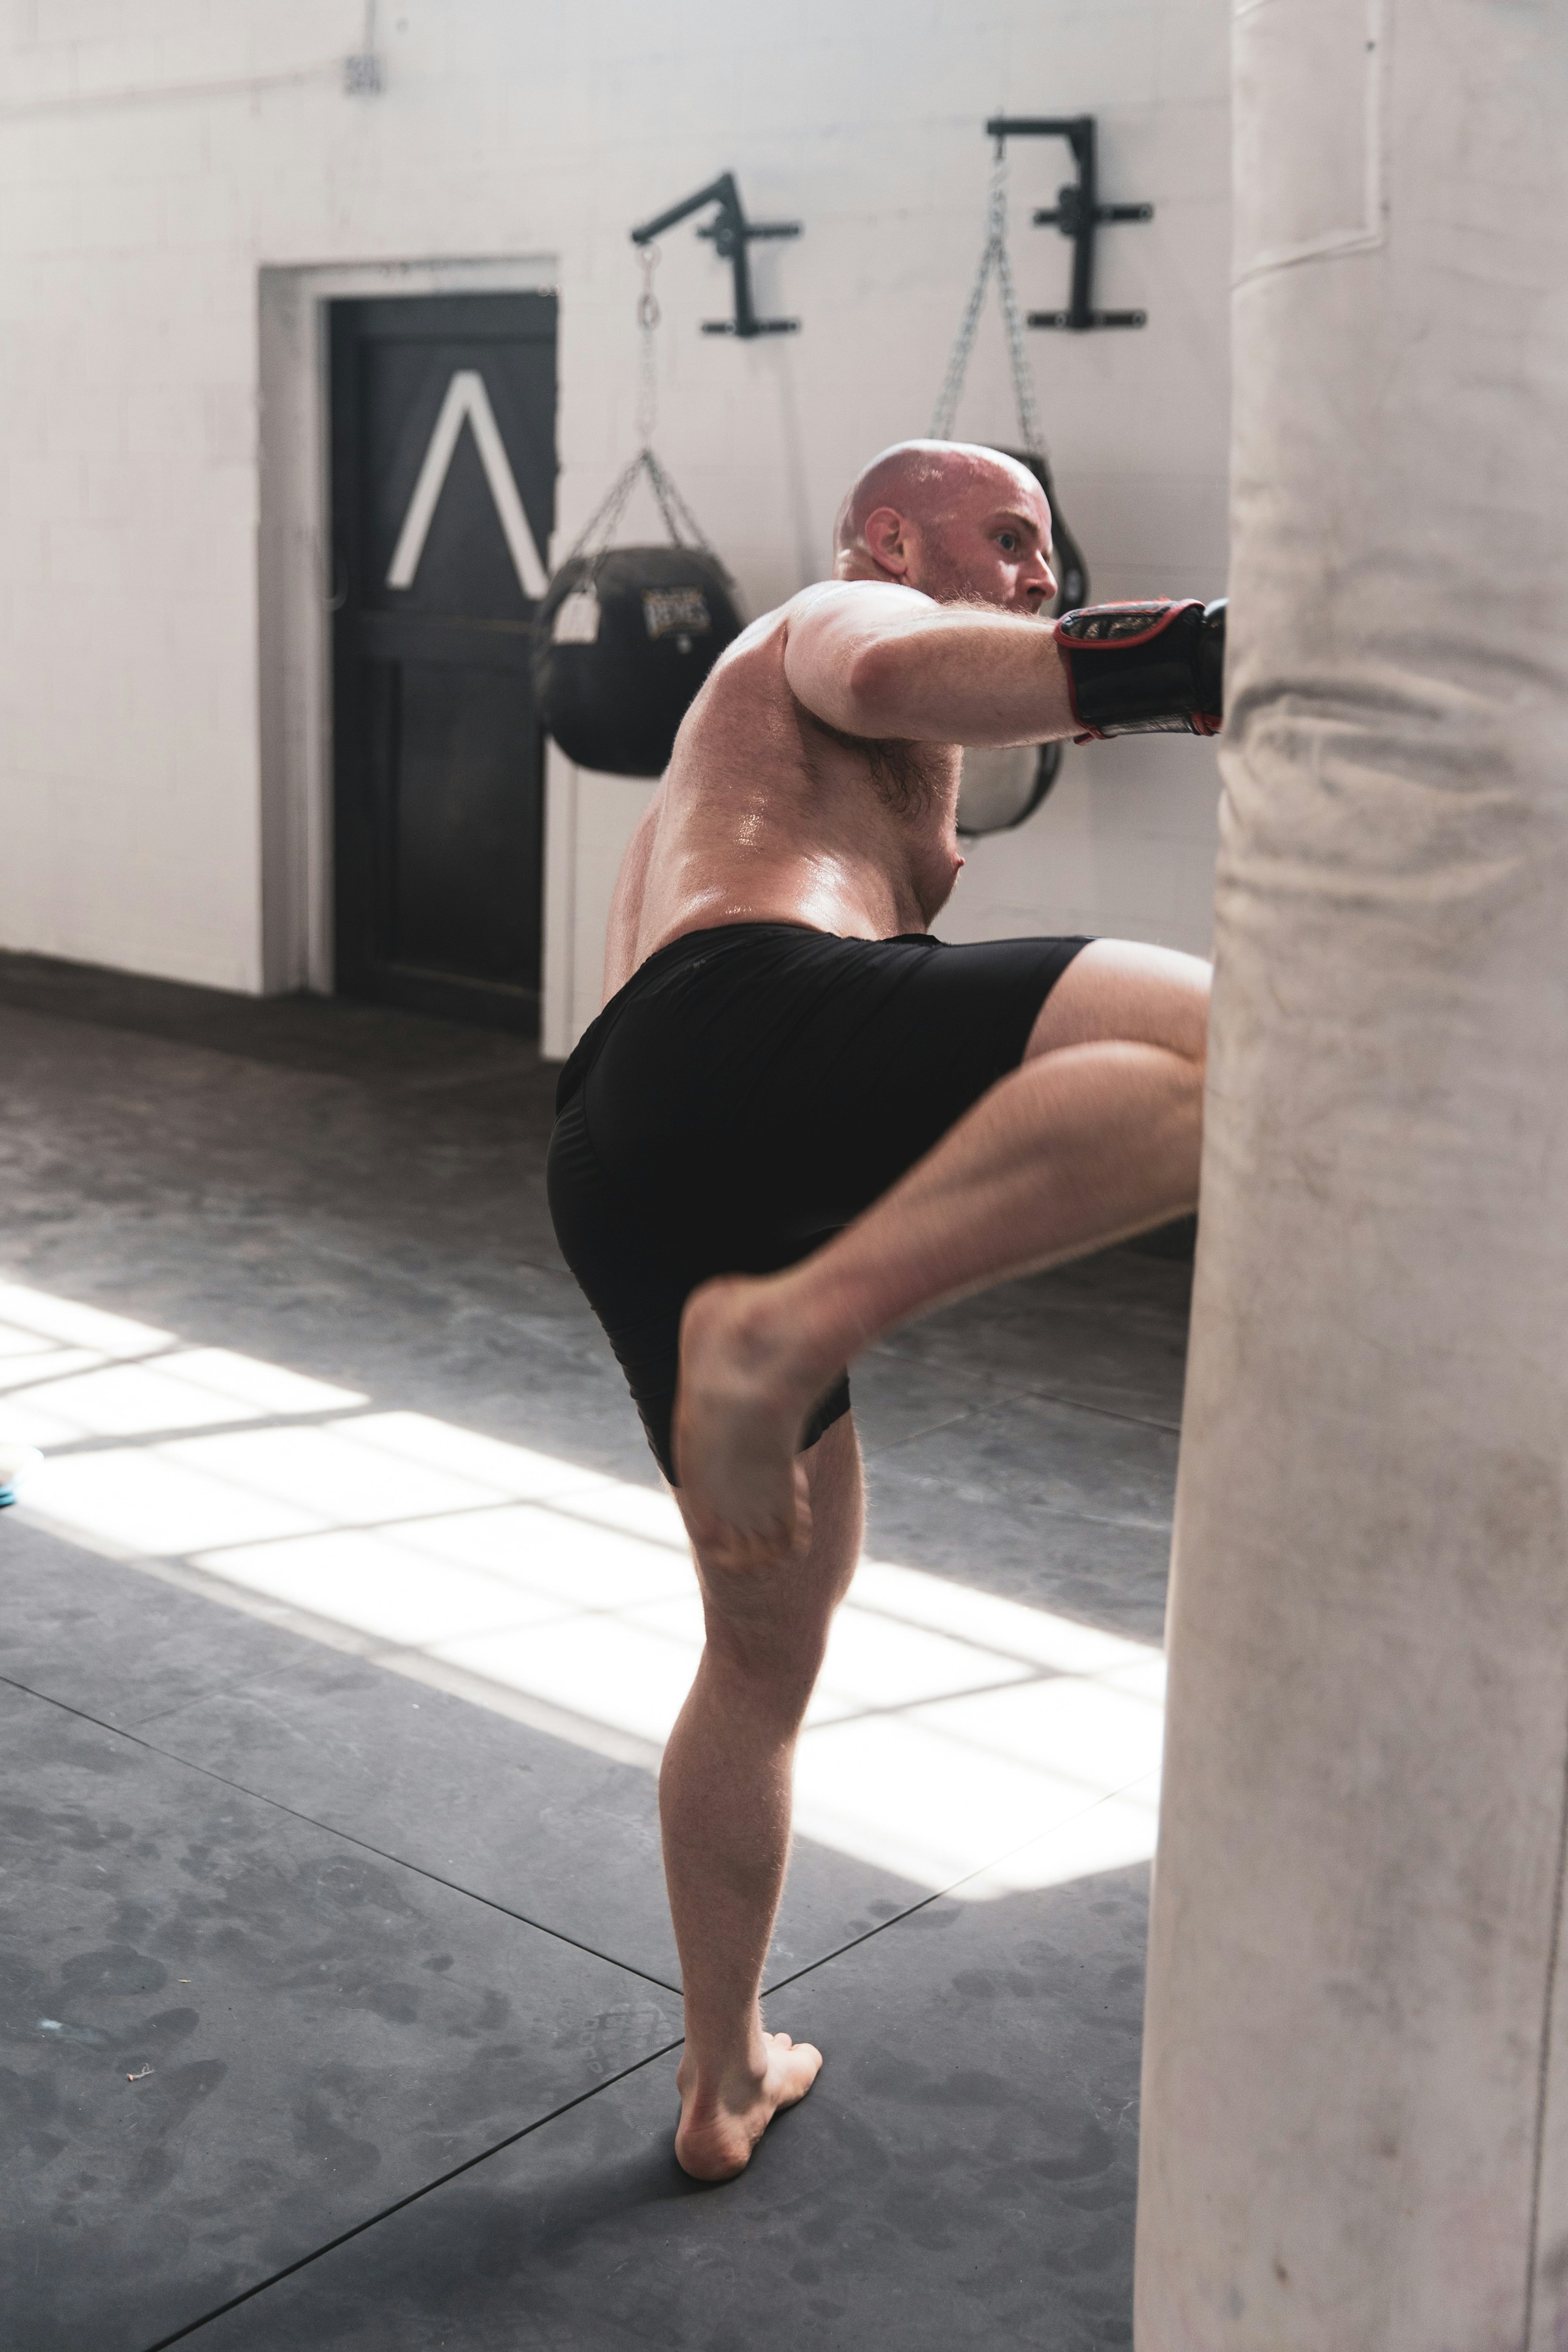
[731, 233]
[1077, 213]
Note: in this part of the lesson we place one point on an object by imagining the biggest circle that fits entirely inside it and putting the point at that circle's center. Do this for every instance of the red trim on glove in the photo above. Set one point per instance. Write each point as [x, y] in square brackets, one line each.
[1173, 606]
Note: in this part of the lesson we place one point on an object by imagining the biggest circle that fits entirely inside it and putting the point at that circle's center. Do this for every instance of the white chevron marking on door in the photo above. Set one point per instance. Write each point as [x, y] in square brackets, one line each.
[467, 397]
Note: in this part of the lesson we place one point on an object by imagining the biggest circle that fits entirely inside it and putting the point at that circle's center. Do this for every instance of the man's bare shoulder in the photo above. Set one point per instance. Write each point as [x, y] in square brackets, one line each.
[871, 604]
[789, 656]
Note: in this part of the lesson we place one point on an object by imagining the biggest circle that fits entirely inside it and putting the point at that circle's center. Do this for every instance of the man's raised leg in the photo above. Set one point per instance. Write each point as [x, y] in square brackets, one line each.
[1094, 1137]
[724, 1801]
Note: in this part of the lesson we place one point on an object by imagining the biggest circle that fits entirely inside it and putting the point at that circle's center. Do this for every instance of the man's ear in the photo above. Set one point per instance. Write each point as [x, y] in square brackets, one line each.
[886, 541]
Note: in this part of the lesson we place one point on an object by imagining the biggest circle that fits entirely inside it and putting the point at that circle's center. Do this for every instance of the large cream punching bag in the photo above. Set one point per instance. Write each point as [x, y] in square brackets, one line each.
[1355, 2115]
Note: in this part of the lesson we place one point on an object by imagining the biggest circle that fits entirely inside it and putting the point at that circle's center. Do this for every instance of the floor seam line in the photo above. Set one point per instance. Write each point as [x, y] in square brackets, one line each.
[941, 1893]
[362, 1845]
[401, 2203]
[1029, 1389]
[235, 1689]
[75, 1449]
[854, 1942]
[935, 1428]
[1104, 1412]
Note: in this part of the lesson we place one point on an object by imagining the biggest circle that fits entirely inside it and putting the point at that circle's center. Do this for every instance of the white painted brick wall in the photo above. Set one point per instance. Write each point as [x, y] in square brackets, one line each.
[154, 155]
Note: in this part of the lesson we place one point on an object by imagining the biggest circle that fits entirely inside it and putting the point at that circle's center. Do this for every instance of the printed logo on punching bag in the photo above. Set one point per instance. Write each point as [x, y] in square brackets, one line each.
[681, 612]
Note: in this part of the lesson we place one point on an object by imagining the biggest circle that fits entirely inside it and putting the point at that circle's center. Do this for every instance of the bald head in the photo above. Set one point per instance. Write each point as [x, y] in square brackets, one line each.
[956, 520]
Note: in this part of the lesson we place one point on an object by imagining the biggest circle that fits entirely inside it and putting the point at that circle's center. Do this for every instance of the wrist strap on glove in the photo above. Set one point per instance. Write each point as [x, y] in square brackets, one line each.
[1145, 670]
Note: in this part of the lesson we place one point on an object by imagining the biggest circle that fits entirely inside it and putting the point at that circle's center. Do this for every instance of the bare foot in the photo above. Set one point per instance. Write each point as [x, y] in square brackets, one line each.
[739, 1413]
[717, 2133]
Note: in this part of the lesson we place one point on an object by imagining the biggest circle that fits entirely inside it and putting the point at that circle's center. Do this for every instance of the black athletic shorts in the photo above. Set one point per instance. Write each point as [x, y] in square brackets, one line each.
[748, 1092]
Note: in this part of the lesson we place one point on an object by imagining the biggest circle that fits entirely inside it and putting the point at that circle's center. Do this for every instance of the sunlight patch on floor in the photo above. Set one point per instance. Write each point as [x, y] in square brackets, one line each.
[962, 1740]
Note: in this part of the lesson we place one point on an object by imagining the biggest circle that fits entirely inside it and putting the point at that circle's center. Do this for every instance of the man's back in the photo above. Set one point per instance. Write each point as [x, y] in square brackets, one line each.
[769, 813]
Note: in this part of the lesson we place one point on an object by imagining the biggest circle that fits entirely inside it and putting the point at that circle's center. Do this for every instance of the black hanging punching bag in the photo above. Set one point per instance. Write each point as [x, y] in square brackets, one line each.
[1067, 556]
[623, 641]
[1002, 789]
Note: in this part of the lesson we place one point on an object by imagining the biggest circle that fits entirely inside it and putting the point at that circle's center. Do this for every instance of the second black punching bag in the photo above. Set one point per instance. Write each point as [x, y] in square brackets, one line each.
[625, 640]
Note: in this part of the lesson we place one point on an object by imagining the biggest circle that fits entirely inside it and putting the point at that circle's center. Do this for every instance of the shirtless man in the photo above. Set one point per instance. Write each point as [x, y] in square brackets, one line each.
[785, 1044]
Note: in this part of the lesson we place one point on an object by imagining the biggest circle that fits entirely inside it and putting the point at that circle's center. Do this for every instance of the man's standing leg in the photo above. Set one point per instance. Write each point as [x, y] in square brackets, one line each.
[1094, 1137]
[724, 1802]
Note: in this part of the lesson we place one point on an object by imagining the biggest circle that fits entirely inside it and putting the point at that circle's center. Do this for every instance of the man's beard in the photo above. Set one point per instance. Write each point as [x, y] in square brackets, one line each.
[942, 579]
[945, 581]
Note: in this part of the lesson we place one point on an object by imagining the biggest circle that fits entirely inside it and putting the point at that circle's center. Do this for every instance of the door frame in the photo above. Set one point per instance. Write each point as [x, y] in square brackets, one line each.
[294, 653]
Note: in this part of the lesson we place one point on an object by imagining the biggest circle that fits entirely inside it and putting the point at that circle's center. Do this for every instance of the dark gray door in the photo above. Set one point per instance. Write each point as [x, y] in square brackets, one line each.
[443, 498]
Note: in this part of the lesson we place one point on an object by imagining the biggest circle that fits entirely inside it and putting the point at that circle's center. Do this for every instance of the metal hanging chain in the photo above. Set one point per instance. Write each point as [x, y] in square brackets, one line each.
[678, 515]
[648, 329]
[995, 257]
[682, 525]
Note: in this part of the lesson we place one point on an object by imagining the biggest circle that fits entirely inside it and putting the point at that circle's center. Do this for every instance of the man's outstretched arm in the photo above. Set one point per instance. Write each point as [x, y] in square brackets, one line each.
[880, 660]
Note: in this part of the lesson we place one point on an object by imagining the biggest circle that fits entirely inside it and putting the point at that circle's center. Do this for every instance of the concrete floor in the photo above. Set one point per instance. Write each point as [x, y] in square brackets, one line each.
[340, 1631]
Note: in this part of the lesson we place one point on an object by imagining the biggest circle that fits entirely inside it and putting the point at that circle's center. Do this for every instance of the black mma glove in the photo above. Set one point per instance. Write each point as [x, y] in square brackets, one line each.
[1145, 670]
